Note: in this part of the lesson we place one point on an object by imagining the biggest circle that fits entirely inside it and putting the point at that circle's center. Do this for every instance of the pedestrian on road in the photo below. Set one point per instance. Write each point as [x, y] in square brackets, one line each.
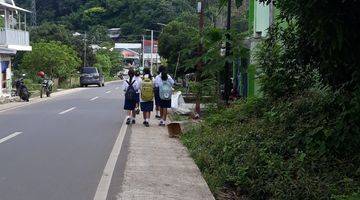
[165, 84]
[156, 93]
[138, 79]
[130, 88]
[147, 96]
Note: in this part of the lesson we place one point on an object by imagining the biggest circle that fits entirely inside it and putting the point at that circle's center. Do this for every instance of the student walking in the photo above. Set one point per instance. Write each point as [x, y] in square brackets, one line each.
[156, 92]
[147, 96]
[137, 78]
[165, 83]
[130, 88]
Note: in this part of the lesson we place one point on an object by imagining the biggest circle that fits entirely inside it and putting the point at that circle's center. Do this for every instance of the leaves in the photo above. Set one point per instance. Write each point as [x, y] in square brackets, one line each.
[54, 58]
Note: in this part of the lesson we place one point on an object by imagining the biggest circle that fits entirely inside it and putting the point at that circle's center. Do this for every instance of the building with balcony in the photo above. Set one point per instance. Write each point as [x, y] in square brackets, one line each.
[14, 37]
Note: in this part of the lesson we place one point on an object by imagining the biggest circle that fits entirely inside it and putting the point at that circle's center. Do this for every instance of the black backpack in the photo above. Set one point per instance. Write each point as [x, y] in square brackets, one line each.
[130, 94]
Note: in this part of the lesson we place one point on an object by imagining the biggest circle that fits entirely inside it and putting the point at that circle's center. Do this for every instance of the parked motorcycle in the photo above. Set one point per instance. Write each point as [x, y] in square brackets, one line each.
[46, 87]
[21, 89]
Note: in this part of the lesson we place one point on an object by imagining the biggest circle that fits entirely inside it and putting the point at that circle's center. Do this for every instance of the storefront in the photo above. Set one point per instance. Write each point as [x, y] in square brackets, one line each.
[5, 71]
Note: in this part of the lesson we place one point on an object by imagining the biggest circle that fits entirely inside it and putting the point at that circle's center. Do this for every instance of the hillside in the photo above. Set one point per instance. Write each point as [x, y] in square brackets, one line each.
[133, 16]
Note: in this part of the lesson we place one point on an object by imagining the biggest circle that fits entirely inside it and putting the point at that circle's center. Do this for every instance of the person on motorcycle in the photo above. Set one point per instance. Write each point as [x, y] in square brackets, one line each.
[46, 83]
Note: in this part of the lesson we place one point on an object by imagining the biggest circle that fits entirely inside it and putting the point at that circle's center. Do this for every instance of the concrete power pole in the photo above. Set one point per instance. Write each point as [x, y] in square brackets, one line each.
[33, 13]
[152, 49]
[199, 66]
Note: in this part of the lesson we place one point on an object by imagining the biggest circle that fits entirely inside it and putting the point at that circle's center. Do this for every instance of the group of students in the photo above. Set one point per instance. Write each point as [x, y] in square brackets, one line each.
[141, 91]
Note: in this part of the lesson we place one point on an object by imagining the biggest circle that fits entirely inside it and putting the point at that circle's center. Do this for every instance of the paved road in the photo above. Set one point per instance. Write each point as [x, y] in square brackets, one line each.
[57, 149]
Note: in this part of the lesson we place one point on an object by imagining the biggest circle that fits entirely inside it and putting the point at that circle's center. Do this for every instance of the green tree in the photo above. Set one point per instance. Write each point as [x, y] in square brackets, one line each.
[177, 43]
[103, 63]
[55, 59]
[111, 62]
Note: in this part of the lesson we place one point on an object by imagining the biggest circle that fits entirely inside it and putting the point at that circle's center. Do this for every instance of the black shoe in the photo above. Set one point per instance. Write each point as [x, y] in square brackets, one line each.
[147, 124]
[157, 116]
[137, 111]
[133, 121]
[128, 121]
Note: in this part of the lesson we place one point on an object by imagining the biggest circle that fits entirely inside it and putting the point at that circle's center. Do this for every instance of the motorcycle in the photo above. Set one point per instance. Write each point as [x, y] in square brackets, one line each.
[21, 89]
[46, 87]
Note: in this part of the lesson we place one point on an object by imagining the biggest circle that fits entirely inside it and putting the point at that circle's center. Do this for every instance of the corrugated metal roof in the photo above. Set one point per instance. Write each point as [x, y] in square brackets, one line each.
[13, 7]
[127, 45]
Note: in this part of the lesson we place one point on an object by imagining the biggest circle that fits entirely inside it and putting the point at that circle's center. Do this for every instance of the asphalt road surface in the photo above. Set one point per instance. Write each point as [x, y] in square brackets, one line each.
[58, 149]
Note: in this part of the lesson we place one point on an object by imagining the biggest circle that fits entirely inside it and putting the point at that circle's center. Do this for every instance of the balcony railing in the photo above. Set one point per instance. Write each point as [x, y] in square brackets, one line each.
[14, 37]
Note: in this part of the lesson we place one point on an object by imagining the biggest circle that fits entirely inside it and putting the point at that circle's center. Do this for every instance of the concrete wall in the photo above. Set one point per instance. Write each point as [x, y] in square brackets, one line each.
[261, 18]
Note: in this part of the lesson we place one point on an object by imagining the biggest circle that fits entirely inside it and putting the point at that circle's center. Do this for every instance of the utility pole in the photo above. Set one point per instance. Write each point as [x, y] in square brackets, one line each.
[152, 48]
[228, 63]
[199, 66]
[143, 51]
[33, 13]
[85, 50]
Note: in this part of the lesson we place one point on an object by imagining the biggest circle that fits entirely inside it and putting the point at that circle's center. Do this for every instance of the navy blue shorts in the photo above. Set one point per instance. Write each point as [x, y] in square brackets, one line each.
[137, 98]
[157, 96]
[147, 106]
[129, 105]
[165, 103]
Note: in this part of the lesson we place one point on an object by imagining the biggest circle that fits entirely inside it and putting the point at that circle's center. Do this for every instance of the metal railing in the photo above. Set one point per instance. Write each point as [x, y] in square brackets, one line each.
[14, 37]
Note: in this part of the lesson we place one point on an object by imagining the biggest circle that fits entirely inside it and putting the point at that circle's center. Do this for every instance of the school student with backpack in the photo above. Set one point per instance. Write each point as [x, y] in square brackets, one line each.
[138, 80]
[165, 83]
[147, 96]
[130, 88]
[156, 92]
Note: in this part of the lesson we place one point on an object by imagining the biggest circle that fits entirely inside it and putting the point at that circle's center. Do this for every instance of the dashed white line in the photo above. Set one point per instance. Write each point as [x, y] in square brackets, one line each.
[117, 88]
[66, 111]
[9, 137]
[93, 99]
[108, 92]
[104, 184]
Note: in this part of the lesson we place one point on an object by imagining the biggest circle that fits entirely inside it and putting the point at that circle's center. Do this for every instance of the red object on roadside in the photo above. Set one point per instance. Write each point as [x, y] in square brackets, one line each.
[41, 74]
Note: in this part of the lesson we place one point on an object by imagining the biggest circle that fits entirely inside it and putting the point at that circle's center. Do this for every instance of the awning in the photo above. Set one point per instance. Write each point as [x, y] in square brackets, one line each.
[7, 51]
[6, 5]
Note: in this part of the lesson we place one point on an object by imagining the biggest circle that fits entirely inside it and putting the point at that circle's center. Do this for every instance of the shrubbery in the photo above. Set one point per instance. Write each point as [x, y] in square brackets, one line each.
[301, 139]
[292, 150]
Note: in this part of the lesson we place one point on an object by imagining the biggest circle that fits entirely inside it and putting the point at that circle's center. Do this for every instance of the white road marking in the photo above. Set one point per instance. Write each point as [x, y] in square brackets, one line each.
[108, 92]
[9, 137]
[66, 111]
[117, 88]
[93, 99]
[104, 184]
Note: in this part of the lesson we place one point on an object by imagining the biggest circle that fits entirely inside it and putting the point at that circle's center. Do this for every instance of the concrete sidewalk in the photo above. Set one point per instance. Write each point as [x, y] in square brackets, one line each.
[159, 168]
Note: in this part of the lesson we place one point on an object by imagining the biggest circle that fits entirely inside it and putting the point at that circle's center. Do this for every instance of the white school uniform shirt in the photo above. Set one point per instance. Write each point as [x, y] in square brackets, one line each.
[159, 81]
[146, 76]
[138, 80]
[135, 85]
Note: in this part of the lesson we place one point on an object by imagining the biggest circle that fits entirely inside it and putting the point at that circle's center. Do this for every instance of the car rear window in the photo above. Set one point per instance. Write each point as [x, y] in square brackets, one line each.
[88, 70]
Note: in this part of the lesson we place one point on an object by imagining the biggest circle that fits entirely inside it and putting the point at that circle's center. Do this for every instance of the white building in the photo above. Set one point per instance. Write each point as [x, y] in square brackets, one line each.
[13, 37]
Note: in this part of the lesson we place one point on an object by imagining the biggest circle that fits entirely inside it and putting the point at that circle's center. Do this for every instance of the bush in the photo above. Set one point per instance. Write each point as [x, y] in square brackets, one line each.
[295, 149]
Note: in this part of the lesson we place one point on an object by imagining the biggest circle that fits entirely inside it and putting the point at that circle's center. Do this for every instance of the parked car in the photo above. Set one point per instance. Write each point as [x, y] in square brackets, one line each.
[91, 76]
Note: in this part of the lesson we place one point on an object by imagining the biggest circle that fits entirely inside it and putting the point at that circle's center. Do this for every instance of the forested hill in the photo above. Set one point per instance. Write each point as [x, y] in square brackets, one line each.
[133, 16]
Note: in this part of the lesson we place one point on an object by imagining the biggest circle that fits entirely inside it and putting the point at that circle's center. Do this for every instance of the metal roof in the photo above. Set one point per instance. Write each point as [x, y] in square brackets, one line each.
[128, 45]
[12, 6]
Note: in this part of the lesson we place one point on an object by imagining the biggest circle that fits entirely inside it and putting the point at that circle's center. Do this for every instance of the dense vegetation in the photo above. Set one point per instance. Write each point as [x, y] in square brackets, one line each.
[58, 20]
[132, 16]
[301, 139]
